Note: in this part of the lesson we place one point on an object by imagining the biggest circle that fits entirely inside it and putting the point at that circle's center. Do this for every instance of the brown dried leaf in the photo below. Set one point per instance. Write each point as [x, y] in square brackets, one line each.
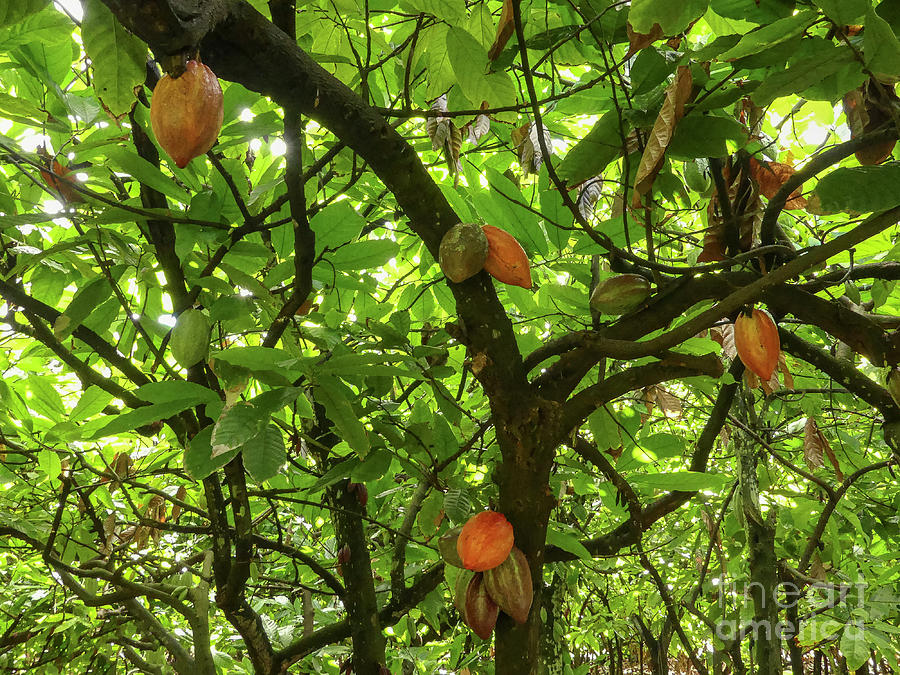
[677, 94]
[770, 176]
[727, 333]
[784, 370]
[588, 194]
[438, 127]
[813, 445]
[505, 28]
[639, 41]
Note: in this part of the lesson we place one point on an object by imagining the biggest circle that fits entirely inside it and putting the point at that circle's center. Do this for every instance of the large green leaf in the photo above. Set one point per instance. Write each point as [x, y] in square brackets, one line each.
[119, 58]
[337, 397]
[881, 46]
[706, 136]
[264, 454]
[116, 424]
[771, 35]
[469, 61]
[843, 12]
[237, 425]
[13, 11]
[673, 17]
[859, 189]
[368, 254]
[591, 155]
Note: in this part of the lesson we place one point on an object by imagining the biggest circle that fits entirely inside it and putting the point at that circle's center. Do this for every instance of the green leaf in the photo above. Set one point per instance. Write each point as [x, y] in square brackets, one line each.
[259, 359]
[768, 36]
[751, 10]
[198, 457]
[680, 480]
[264, 454]
[118, 57]
[469, 61]
[591, 155]
[86, 300]
[451, 11]
[457, 505]
[881, 46]
[854, 646]
[844, 12]
[275, 400]
[92, 401]
[13, 11]
[803, 74]
[139, 417]
[134, 165]
[526, 227]
[336, 398]
[859, 189]
[568, 543]
[237, 425]
[368, 254]
[336, 225]
[706, 136]
[162, 392]
[673, 17]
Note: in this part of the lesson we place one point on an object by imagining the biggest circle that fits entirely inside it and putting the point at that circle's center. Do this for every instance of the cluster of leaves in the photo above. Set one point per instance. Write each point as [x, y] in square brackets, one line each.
[255, 511]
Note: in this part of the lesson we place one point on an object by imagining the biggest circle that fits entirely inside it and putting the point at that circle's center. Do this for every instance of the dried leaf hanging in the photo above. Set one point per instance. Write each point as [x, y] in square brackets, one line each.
[638, 41]
[867, 109]
[588, 194]
[438, 127]
[770, 176]
[525, 139]
[505, 28]
[479, 127]
[813, 445]
[677, 94]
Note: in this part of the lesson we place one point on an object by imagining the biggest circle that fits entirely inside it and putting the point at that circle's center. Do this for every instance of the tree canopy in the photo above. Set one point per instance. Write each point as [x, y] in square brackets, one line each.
[244, 407]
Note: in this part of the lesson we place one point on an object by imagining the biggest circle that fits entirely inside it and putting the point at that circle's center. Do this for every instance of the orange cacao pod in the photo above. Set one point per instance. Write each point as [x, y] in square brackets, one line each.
[757, 343]
[186, 112]
[463, 252]
[509, 584]
[481, 610]
[484, 541]
[506, 259]
[620, 294]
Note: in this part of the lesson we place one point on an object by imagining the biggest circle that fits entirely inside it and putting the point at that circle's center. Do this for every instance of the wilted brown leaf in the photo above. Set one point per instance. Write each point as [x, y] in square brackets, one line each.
[639, 41]
[813, 445]
[677, 94]
[770, 176]
[505, 28]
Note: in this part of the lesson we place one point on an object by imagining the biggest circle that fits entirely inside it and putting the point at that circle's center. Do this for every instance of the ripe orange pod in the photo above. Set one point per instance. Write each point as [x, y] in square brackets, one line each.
[485, 541]
[186, 112]
[506, 259]
[757, 343]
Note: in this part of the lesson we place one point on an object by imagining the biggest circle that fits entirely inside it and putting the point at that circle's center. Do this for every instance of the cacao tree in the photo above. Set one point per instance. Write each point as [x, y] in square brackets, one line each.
[291, 291]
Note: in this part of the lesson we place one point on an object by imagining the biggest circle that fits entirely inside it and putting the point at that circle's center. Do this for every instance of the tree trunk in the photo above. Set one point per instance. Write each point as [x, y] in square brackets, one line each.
[761, 555]
[526, 502]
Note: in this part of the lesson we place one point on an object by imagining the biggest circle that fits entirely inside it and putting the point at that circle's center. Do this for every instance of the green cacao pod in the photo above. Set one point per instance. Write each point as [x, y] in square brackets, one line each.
[463, 251]
[509, 584]
[190, 338]
[481, 610]
[620, 294]
[447, 547]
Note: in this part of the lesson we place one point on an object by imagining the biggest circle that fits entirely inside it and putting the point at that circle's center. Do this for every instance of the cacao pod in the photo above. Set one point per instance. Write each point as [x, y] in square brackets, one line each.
[460, 588]
[447, 547]
[757, 343]
[484, 541]
[61, 185]
[481, 610]
[463, 251]
[620, 294]
[893, 384]
[186, 112]
[509, 584]
[190, 338]
[506, 259]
